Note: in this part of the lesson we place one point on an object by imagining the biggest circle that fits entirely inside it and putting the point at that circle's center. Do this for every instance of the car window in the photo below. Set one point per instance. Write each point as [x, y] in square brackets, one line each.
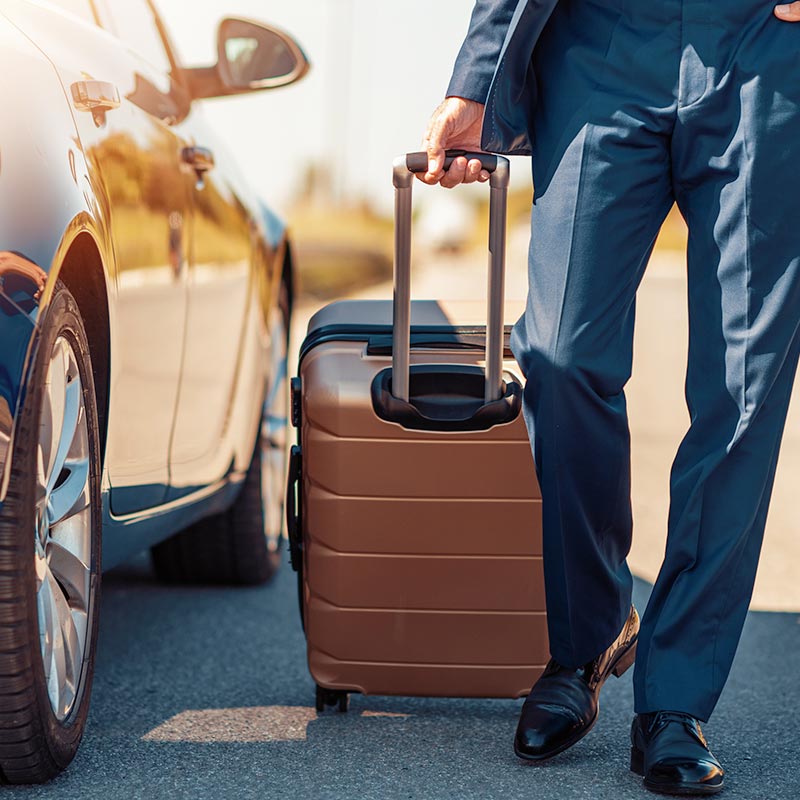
[135, 23]
[80, 8]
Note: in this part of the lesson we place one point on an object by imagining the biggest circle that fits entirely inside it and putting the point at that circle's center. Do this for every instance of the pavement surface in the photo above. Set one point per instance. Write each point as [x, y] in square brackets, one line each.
[204, 692]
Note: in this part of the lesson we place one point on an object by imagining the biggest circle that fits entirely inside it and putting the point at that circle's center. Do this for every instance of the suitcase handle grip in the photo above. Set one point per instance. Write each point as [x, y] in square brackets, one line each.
[418, 162]
[403, 178]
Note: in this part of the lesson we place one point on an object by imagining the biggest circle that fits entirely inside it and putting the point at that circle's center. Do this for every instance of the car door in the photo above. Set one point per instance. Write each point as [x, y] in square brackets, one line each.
[127, 108]
[150, 192]
[221, 295]
[220, 299]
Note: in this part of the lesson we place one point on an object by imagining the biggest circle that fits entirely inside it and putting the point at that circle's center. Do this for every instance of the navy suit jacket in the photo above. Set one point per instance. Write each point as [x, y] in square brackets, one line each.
[494, 67]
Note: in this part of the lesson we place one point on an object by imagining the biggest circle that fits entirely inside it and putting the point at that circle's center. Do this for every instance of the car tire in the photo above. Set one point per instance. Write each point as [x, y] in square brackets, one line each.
[50, 555]
[243, 544]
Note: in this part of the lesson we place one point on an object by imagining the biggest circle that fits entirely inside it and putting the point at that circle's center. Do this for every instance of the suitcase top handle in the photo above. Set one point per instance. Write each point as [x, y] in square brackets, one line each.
[403, 174]
[413, 163]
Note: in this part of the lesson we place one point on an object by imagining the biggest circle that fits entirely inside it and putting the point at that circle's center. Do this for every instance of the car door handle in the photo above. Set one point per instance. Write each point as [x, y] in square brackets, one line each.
[98, 97]
[200, 159]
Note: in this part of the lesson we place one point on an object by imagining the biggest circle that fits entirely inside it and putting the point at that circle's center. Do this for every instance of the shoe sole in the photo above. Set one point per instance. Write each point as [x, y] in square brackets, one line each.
[696, 789]
[620, 666]
[637, 767]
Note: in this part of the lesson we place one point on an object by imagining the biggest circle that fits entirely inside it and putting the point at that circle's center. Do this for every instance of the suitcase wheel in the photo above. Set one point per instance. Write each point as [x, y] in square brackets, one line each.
[332, 697]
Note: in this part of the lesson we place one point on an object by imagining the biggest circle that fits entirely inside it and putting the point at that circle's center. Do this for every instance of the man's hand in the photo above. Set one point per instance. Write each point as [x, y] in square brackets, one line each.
[789, 12]
[456, 124]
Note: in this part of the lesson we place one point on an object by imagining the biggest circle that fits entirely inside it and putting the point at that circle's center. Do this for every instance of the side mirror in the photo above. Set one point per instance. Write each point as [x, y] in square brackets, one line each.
[253, 56]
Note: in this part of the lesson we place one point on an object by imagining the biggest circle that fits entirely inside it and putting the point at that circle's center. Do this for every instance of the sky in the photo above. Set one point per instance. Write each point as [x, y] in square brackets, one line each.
[379, 68]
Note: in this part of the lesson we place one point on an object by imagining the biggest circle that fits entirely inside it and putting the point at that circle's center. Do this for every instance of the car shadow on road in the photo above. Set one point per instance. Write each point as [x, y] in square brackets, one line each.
[204, 693]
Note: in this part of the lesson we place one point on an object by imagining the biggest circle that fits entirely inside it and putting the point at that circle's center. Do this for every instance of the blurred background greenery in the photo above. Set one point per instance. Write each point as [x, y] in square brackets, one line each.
[342, 248]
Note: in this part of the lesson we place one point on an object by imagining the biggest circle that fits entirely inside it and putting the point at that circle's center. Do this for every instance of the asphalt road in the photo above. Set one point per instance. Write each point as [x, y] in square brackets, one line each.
[204, 693]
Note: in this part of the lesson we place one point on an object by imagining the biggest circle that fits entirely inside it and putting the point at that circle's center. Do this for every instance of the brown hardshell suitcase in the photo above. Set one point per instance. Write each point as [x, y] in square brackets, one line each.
[413, 506]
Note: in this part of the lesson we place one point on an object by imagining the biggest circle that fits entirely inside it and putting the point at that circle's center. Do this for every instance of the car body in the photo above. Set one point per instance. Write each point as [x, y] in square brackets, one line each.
[117, 194]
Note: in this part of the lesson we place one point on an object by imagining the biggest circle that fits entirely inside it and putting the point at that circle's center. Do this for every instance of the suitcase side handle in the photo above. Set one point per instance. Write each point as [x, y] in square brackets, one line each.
[294, 507]
[403, 176]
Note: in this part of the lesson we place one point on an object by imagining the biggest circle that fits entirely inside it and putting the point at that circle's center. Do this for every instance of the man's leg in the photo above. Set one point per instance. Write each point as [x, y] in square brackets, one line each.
[602, 184]
[738, 183]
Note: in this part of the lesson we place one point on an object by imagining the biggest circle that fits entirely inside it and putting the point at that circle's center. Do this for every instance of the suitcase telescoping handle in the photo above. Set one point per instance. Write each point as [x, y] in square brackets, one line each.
[405, 168]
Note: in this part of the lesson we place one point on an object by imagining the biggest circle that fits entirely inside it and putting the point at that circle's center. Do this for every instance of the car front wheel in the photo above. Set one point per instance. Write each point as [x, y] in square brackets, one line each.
[50, 540]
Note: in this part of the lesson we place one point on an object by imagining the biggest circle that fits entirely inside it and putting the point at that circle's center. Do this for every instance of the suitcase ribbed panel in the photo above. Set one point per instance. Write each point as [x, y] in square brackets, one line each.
[363, 467]
[423, 680]
[472, 526]
[363, 580]
[422, 561]
[428, 637]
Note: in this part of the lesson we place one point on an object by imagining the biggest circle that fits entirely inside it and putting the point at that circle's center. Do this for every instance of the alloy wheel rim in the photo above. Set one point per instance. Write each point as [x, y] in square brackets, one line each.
[63, 531]
[274, 437]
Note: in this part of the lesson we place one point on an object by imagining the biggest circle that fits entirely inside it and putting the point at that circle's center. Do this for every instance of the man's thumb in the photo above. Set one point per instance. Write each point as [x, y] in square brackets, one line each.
[789, 12]
[435, 157]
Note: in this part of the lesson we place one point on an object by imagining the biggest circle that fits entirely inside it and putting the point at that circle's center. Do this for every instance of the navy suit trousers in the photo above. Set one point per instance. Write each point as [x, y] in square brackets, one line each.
[641, 105]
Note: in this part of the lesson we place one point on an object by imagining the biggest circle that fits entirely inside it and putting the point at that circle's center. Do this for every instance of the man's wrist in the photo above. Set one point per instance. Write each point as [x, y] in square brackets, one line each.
[463, 99]
[475, 90]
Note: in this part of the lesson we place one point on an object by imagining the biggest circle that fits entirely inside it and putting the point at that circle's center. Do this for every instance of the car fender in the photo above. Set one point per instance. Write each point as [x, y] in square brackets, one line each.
[48, 201]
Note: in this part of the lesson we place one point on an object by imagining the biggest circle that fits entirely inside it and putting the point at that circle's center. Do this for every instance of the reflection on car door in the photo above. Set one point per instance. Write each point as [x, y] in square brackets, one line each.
[152, 229]
[134, 156]
[220, 296]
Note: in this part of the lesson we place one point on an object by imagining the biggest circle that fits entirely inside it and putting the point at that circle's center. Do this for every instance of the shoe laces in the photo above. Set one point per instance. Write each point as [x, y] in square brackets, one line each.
[554, 668]
[661, 718]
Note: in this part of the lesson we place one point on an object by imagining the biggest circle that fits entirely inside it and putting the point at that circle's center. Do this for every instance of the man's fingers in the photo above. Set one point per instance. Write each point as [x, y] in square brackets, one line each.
[435, 163]
[473, 171]
[461, 171]
[789, 12]
[456, 174]
[434, 145]
[428, 177]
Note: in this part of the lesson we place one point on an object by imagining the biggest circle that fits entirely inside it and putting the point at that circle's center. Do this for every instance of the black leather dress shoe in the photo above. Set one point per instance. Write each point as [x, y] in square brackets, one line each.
[669, 750]
[563, 704]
